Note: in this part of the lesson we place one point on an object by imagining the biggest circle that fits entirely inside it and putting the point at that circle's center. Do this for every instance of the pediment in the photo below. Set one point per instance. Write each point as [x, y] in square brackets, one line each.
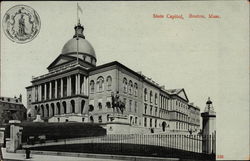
[60, 60]
[183, 95]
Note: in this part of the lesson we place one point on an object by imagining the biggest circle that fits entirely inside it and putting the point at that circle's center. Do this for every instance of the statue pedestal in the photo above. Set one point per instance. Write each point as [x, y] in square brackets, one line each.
[118, 124]
[119, 118]
[38, 119]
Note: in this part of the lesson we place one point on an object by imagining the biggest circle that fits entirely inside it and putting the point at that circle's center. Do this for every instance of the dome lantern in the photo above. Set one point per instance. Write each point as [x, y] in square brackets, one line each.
[79, 31]
[79, 47]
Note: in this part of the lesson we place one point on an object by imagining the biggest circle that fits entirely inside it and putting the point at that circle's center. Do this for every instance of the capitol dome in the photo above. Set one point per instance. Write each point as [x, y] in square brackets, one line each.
[79, 47]
[84, 47]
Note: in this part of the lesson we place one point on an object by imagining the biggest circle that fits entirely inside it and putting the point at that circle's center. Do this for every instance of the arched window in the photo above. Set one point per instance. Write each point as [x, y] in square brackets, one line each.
[58, 108]
[151, 96]
[108, 119]
[47, 110]
[135, 89]
[91, 119]
[72, 103]
[82, 106]
[135, 106]
[92, 86]
[156, 98]
[145, 94]
[150, 122]
[100, 82]
[109, 82]
[52, 109]
[125, 85]
[64, 107]
[130, 105]
[100, 119]
[99, 105]
[42, 110]
[130, 87]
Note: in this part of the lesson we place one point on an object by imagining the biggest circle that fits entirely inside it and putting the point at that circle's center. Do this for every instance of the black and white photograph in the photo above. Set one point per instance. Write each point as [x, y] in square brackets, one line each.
[124, 80]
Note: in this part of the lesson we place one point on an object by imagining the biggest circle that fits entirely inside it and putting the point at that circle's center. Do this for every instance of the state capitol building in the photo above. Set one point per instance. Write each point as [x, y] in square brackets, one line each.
[75, 89]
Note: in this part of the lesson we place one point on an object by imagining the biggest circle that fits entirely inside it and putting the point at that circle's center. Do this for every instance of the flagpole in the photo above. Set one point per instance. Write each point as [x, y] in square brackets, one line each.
[77, 33]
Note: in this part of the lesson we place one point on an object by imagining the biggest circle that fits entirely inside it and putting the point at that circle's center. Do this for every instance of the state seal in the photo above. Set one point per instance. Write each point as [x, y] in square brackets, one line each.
[21, 24]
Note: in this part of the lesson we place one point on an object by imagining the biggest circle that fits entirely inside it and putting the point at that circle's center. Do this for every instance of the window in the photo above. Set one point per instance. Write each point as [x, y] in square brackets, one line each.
[135, 89]
[145, 122]
[155, 111]
[92, 86]
[151, 97]
[135, 106]
[150, 122]
[130, 105]
[109, 82]
[145, 109]
[100, 119]
[136, 120]
[131, 120]
[145, 94]
[151, 110]
[125, 85]
[108, 118]
[155, 122]
[130, 87]
[100, 82]
[156, 98]
[108, 104]
[99, 105]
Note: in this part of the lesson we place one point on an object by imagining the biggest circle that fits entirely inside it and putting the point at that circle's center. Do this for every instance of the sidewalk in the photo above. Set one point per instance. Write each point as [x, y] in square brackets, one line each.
[66, 156]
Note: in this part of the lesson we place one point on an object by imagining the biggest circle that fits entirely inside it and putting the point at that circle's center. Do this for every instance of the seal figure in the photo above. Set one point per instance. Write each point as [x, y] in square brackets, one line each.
[21, 24]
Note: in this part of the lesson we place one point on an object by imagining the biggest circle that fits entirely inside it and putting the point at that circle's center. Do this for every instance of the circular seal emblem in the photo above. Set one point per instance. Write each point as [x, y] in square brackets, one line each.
[21, 24]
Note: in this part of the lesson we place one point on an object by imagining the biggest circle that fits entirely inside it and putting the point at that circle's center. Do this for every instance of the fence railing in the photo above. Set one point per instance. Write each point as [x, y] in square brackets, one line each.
[192, 143]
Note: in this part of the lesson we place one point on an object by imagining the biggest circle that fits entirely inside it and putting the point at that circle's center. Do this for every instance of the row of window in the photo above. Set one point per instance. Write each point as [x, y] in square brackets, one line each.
[150, 122]
[181, 126]
[152, 110]
[130, 87]
[150, 96]
[100, 84]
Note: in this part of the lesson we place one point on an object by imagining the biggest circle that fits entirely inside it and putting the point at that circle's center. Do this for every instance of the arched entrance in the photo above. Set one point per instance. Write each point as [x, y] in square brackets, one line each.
[47, 110]
[91, 119]
[72, 102]
[82, 106]
[163, 125]
[64, 107]
[58, 108]
[52, 109]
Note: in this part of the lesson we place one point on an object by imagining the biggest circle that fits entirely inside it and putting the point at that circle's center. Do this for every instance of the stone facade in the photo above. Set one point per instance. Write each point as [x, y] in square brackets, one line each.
[12, 108]
[75, 89]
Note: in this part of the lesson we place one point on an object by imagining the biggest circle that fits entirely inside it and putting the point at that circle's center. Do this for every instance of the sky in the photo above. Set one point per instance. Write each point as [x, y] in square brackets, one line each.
[207, 57]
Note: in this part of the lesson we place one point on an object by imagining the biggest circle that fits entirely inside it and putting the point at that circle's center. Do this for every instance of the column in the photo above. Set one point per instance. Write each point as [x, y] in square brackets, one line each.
[50, 90]
[70, 85]
[45, 91]
[84, 85]
[39, 92]
[67, 86]
[76, 84]
[56, 89]
[61, 87]
[87, 85]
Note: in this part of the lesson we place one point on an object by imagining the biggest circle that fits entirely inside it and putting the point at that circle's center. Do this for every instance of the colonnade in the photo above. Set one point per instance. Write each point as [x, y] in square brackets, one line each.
[66, 86]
